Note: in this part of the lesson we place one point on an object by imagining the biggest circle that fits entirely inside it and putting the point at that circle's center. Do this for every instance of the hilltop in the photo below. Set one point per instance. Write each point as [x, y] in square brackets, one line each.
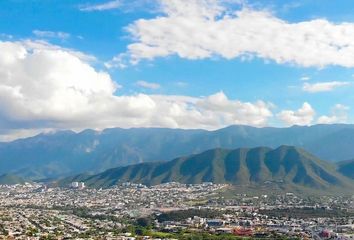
[285, 166]
[67, 153]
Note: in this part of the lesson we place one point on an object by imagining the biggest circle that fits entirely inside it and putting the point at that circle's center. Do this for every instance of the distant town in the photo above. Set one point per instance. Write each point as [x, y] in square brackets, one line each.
[168, 211]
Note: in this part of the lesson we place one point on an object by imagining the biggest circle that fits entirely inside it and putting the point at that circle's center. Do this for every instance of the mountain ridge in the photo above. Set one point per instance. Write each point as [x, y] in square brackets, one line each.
[243, 166]
[67, 153]
[346, 168]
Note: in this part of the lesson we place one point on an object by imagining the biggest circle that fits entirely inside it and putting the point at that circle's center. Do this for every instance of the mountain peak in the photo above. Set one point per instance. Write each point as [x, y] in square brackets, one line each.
[63, 154]
[287, 165]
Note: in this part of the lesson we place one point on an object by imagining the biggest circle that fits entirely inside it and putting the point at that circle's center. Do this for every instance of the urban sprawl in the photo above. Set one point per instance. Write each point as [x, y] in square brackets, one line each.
[168, 211]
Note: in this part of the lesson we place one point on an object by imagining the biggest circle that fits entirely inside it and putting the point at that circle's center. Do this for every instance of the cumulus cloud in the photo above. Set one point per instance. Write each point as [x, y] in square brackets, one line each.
[43, 86]
[44, 83]
[339, 114]
[51, 34]
[148, 85]
[44, 45]
[235, 112]
[323, 86]
[101, 7]
[303, 116]
[200, 29]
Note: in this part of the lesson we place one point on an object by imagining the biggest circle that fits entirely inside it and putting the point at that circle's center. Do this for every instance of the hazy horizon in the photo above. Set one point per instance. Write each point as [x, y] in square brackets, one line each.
[199, 64]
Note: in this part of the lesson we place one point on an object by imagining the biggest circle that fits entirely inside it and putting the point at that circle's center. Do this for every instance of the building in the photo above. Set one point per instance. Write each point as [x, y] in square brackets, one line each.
[79, 185]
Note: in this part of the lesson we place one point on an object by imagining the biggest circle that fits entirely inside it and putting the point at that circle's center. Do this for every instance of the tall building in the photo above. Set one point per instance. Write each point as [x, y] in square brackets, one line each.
[75, 184]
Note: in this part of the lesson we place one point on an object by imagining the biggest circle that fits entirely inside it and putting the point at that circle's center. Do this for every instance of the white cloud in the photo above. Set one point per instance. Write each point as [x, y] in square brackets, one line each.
[101, 7]
[13, 134]
[303, 116]
[44, 86]
[235, 112]
[339, 114]
[50, 34]
[323, 86]
[305, 78]
[148, 85]
[44, 45]
[200, 29]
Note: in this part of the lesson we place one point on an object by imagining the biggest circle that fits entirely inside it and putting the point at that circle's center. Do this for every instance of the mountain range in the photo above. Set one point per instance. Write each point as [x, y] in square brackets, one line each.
[67, 153]
[285, 166]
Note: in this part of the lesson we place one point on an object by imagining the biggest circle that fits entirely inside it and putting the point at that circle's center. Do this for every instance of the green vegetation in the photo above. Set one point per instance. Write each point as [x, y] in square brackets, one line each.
[199, 236]
[11, 179]
[304, 213]
[190, 213]
[63, 153]
[31, 232]
[190, 235]
[347, 168]
[285, 166]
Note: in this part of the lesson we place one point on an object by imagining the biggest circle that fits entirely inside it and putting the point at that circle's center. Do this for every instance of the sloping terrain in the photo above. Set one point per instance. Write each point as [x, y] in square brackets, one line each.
[10, 179]
[244, 166]
[68, 153]
[347, 168]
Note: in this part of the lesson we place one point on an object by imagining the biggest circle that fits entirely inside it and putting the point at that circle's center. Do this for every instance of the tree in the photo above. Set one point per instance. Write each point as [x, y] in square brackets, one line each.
[144, 222]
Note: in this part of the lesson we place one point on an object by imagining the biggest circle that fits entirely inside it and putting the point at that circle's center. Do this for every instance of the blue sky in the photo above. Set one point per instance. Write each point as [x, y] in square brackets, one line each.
[199, 63]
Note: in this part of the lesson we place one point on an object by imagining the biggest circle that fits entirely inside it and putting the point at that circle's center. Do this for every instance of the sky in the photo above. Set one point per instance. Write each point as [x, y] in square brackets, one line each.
[79, 64]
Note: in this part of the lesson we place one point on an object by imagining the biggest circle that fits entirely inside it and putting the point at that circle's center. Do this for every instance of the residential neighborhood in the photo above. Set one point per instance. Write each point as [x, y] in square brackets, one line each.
[167, 211]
